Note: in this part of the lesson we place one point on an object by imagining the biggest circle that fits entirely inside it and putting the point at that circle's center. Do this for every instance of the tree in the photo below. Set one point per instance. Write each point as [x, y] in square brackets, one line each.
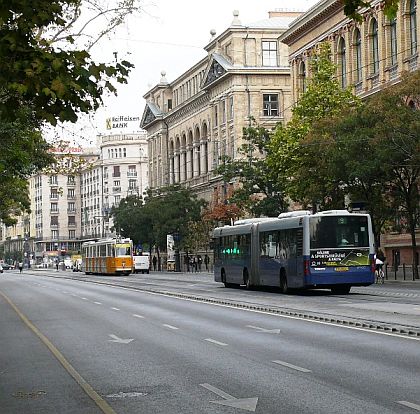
[23, 152]
[288, 159]
[258, 193]
[352, 7]
[168, 211]
[45, 74]
[56, 83]
[374, 153]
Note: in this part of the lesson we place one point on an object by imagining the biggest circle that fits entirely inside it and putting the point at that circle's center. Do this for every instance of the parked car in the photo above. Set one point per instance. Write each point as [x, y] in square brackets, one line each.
[7, 266]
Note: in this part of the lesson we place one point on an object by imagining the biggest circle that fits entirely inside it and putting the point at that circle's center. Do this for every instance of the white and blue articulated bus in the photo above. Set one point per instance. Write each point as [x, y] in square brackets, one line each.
[327, 250]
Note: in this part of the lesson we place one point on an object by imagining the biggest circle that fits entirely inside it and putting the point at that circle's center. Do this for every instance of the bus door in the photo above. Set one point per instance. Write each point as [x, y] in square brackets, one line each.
[254, 251]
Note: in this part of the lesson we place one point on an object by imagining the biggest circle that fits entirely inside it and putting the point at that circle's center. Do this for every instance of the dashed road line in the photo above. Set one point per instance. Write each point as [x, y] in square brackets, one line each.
[295, 367]
[213, 341]
[170, 326]
[97, 303]
[115, 309]
[138, 316]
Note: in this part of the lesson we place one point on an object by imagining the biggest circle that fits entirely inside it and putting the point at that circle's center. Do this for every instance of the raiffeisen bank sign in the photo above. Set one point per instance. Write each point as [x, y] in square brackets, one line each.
[122, 122]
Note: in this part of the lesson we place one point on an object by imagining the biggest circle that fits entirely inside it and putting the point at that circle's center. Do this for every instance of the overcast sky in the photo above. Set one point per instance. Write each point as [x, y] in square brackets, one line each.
[168, 36]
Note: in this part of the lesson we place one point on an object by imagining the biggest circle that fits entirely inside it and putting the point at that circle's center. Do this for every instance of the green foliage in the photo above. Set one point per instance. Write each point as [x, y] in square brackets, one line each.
[58, 83]
[23, 152]
[257, 193]
[150, 220]
[352, 7]
[288, 159]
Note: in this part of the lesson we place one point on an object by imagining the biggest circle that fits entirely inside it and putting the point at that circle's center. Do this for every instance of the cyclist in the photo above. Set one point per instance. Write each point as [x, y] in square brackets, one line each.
[379, 262]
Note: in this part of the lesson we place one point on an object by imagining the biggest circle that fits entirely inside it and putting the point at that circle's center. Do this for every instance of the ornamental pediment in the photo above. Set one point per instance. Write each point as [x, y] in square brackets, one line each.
[217, 67]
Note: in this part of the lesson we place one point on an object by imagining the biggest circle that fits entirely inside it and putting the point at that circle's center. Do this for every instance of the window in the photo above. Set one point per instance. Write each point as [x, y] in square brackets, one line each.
[374, 46]
[223, 103]
[117, 200]
[216, 116]
[54, 234]
[71, 193]
[71, 206]
[413, 26]
[358, 52]
[270, 105]
[72, 234]
[53, 180]
[116, 171]
[302, 77]
[72, 221]
[231, 107]
[71, 180]
[54, 220]
[54, 207]
[117, 183]
[54, 194]
[342, 61]
[393, 35]
[269, 53]
[132, 184]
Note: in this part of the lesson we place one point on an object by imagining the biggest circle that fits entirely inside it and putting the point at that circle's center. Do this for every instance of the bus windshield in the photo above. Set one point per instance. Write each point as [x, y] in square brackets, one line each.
[338, 231]
[122, 250]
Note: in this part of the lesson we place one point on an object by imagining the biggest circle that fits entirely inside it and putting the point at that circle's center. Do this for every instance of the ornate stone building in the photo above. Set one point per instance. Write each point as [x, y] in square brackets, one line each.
[370, 55]
[198, 118]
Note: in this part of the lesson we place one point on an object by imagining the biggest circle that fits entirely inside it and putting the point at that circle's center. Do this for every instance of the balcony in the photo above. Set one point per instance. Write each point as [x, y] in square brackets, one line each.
[53, 196]
[54, 211]
[72, 224]
[71, 183]
[71, 196]
[132, 174]
[116, 189]
[116, 174]
[71, 210]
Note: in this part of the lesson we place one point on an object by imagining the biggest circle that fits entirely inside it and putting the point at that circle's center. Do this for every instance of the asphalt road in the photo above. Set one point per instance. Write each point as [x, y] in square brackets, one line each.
[69, 346]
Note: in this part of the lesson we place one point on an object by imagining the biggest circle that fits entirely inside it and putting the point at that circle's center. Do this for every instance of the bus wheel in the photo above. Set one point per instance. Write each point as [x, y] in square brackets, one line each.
[284, 288]
[340, 290]
[247, 282]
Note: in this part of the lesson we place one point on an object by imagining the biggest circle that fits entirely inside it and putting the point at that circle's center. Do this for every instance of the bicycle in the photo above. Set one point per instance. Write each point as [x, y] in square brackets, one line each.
[379, 276]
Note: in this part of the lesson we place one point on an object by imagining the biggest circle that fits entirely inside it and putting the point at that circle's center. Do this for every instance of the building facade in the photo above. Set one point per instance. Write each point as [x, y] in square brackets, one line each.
[195, 120]
[370, 55]
[120, 170]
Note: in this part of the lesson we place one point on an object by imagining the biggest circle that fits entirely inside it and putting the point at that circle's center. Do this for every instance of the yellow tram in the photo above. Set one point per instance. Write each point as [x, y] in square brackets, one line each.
[107, 257]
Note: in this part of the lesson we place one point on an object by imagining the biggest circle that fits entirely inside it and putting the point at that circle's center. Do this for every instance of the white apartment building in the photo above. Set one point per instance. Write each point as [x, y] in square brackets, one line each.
[121, 170]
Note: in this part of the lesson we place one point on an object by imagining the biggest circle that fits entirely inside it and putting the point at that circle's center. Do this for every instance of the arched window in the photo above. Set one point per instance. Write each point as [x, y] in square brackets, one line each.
[393, 40]
[358, 54]
[342, 62]
[413, 26]
[302, 77]
[374, 46]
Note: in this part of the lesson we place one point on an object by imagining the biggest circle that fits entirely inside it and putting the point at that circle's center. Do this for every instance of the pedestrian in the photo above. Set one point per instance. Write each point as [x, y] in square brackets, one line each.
[20, 267]
[199, 262]
[56, 264]
[206, 262]
[187, 262]
[154, 261]
[195, 264]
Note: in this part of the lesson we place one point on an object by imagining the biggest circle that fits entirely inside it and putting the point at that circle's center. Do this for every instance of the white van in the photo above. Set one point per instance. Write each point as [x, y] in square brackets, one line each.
[141, 264]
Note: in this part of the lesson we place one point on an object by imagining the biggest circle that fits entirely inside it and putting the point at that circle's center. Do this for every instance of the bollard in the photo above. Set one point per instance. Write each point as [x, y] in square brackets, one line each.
[395, 272]
[404, 271]
[386, 271]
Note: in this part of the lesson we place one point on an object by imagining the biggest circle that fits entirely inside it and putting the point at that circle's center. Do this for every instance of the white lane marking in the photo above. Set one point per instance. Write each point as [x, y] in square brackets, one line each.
[247, 404]
[73, 294]
[170, 326]
[138, 316]
[115, 309]
[213, 341]
[409, 405]
[97, 303]
[85, 298]
[286, 364]
[275, 331]
[119, 340]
